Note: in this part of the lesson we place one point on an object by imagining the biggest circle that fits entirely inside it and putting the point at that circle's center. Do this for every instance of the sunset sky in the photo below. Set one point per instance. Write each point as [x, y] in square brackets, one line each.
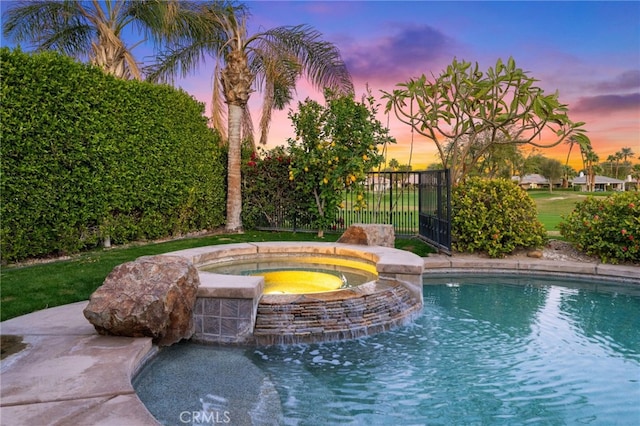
[588, 51]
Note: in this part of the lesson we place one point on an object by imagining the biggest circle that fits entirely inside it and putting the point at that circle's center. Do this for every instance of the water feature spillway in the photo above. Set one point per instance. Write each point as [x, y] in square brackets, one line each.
[233, 308]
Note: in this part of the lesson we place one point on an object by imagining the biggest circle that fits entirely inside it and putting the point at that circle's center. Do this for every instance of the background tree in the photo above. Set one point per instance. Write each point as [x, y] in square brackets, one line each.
[626, 165]
[463, 105]
[531, 163]
[611, 160]
[92, 30]
[270, 61]
[552, 170]
[568, 172]
[584, 143]
[590, 164]
[501, 160]
[626, 153]
[335, 146]
[635, 174]
[486, 158]
[393, 164]
[617, 158]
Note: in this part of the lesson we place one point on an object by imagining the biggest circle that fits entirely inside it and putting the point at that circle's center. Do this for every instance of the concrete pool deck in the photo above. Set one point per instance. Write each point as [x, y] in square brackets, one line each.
[68, 374]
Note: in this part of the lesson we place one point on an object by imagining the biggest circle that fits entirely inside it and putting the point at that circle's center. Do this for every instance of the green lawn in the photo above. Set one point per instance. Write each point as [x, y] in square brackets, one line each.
[552, 206]
[38, 286]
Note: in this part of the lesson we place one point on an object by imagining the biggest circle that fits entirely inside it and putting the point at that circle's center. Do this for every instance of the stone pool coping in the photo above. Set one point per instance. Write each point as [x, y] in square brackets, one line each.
[439, 264]
[69, 374]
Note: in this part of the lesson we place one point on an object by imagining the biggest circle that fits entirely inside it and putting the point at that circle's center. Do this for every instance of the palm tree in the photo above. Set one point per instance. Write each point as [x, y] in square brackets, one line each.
[92, 30]
[611, 159]
[617, 157]
[626, 153]
[393, 164]
[590, 161]
[270, 61]
[584, 143]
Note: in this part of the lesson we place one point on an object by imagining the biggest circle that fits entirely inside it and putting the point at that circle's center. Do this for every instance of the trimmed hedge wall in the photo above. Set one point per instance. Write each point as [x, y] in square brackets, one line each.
[86, 157]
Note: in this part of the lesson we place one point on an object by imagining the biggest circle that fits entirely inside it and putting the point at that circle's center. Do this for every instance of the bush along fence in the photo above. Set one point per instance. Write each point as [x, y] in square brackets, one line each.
[403, 199]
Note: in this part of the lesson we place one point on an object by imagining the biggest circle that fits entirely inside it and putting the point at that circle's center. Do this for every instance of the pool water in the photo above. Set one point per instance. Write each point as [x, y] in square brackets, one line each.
[507, 350]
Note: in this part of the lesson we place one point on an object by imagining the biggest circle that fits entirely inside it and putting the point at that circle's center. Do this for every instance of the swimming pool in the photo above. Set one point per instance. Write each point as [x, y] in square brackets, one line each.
[486, 350]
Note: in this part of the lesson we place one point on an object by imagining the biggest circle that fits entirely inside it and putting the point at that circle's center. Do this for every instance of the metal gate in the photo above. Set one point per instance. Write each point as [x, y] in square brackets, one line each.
[435, 208]
[415, 203]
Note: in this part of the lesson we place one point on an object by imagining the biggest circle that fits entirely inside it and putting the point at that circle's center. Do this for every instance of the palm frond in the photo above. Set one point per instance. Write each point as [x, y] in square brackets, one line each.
[267, 109]
[320, 61]
[218, 110]
[198, 32]
[49, 25]
[177, 60]
[247, 127]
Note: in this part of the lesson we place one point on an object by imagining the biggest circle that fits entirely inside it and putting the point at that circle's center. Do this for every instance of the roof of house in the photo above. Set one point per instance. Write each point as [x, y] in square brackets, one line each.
[531, 178]
[598, 180]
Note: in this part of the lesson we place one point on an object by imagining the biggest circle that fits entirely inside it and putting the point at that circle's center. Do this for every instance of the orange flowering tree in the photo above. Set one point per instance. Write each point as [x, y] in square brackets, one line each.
[335, 146]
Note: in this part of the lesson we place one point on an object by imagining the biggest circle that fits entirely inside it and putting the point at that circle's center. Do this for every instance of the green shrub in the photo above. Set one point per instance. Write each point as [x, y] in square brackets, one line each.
[86, 156]
[494, 216]
[265, 179]
[608, 227]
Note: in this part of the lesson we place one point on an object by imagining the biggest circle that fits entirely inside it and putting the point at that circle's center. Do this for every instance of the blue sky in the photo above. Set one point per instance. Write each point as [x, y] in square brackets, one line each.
[589, 51]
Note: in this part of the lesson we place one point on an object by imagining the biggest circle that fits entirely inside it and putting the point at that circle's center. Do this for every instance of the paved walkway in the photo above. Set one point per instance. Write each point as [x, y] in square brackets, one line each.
[69, 375]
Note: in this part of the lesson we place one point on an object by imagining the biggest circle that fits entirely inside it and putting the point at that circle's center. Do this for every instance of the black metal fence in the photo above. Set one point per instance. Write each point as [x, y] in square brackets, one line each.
[435, 208]
[415, 203]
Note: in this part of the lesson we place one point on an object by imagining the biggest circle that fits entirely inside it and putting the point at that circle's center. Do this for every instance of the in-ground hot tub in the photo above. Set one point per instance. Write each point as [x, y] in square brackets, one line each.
[297, 274]
[234, 309]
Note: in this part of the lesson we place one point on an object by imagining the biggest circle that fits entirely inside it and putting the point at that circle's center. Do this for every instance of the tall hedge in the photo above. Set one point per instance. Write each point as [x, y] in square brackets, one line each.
[86, 157]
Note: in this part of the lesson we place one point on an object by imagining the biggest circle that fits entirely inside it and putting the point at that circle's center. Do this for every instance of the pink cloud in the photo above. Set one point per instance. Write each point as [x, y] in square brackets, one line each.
[607, 104]
[626, 80]
[408, 52]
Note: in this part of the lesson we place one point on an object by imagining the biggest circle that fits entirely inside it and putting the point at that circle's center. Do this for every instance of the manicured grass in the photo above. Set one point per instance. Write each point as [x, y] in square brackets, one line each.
[33, 287]
[553, 206]
[44, 285]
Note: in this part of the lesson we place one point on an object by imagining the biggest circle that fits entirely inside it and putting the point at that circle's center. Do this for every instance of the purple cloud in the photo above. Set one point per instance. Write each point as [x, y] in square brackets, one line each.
[409, 52]
[625, 81]
[607, 103]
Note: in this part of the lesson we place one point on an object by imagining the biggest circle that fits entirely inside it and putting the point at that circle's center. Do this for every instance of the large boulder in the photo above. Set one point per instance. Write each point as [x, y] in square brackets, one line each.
[153, 296]
[369, 235]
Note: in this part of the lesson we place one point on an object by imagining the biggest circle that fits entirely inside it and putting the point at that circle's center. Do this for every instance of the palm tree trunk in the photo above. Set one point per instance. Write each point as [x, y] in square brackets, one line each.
[234, 189]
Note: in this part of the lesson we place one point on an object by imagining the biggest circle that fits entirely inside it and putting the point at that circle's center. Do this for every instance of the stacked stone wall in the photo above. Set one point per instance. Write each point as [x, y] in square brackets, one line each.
[346, 314]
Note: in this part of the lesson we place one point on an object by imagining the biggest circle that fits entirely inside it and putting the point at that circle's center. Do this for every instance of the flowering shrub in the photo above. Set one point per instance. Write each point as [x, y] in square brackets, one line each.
[608, 227]
[495, 216]
[265, 179]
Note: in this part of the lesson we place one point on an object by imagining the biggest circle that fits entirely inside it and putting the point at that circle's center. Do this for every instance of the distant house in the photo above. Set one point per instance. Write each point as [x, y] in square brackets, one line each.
[533, 181]
[602, 183]
[411, 179]
[378, 183]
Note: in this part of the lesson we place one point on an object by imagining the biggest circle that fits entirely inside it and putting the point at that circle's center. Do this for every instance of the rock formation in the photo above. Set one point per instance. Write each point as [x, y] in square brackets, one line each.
[153, 296]
[369, 235]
